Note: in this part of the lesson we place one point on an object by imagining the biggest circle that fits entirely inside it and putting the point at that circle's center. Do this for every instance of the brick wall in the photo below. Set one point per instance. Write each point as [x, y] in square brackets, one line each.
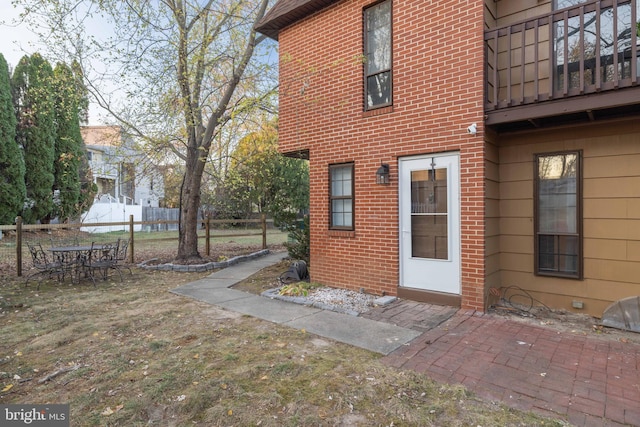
[437, 91]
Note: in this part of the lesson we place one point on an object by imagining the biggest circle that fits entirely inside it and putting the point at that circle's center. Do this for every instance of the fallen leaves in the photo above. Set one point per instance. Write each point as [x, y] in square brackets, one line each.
[108, 411]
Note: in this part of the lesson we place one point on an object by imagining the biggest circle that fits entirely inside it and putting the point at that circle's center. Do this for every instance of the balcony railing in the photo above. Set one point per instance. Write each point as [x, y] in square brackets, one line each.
[584, 49]
[103, 170]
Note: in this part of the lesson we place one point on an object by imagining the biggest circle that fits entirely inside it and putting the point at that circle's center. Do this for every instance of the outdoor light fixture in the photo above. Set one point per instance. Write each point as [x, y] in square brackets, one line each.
[382, 174]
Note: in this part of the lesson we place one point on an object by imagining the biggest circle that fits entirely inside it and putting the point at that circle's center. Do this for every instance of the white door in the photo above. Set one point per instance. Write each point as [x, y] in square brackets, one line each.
[430, 223]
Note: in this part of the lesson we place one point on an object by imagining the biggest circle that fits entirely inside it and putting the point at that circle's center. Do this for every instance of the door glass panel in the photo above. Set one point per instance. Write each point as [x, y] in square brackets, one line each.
[429, 219]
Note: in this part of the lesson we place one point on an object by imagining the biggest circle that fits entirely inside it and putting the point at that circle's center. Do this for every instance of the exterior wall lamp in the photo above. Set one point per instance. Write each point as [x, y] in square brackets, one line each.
[382, 174]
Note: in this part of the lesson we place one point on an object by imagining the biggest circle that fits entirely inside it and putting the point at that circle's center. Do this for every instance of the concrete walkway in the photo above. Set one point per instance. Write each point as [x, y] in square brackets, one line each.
[379, 337]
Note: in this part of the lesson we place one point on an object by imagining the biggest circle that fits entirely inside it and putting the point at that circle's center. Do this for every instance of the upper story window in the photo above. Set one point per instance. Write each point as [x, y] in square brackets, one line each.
[341, 212]
[377, 52]
[558, 218]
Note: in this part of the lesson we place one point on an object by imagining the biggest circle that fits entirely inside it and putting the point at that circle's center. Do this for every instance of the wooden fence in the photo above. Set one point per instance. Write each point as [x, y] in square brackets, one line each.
[19, 228]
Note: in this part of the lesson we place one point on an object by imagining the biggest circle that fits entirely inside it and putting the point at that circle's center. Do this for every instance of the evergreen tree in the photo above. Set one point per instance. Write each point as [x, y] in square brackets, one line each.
[81, 92]
[68, 144]
[88, 188]
[12, 188]
[33, 102]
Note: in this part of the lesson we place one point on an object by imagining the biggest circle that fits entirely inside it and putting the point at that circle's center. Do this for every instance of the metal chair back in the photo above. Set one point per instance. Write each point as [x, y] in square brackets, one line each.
[39, 257]
[102, 258]
[123, 247]
[43, 264]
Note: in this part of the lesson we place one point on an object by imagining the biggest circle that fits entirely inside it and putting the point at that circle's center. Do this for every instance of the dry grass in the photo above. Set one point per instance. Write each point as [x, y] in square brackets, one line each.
[139, 355]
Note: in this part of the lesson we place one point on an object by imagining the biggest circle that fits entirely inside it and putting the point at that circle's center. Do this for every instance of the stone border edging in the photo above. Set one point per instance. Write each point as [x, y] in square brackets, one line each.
[214, 265]
[274, 294]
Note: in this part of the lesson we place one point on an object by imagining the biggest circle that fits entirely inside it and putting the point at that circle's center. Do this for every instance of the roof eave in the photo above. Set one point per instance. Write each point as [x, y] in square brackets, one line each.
[287, 12]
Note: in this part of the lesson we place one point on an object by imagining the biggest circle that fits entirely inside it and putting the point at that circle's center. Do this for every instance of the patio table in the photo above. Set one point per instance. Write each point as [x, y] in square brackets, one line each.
[74, 258]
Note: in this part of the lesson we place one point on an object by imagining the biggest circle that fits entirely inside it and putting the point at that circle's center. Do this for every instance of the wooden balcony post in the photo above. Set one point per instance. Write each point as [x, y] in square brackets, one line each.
[509, 98]
[634, 43]
[598, 52]
[552, 80]
[523, 61]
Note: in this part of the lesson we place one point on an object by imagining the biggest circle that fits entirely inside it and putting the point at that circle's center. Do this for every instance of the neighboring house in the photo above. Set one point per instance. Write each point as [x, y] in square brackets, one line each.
[120, 172]
[510, 132]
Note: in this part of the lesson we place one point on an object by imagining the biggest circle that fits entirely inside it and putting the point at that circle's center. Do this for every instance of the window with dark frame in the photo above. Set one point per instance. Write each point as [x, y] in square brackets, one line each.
[377, 55]
[341, 203]
[558, 218]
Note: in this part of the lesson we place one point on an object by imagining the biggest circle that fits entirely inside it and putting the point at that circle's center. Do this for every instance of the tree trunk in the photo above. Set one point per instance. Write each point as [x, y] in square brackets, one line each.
[200, 136]
[189, 205]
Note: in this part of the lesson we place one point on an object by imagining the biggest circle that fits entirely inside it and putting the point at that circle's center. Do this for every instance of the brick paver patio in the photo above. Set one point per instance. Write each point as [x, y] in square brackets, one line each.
[587, 380]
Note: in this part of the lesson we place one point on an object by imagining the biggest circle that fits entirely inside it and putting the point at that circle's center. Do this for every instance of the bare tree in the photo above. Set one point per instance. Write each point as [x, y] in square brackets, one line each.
[172, 73]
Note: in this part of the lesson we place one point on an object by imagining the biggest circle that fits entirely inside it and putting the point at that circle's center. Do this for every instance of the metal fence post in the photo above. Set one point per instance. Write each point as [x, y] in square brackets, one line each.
[263, 218]
[207, 233]
[131, 239]
[19, 245]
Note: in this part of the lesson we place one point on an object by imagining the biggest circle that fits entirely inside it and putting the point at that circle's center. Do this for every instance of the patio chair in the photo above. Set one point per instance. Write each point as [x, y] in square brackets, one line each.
[121, 257]
[43, 264]
[100, 260]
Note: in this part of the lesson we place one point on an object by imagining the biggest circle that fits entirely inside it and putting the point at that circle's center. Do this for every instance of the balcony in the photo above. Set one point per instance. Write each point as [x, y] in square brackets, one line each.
[572, 65]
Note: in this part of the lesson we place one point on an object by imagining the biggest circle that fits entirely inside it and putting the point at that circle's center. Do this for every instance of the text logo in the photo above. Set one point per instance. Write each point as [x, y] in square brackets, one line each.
[34, 415]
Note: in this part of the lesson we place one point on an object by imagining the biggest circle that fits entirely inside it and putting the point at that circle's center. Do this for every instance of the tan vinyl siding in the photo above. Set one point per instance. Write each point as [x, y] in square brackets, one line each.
[490, 13]
[510, 11]
[611, 214]
[507, 13]
[492, 215]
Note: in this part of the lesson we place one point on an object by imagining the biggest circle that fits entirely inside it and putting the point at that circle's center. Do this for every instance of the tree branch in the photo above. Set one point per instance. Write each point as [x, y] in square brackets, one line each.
[230, 89]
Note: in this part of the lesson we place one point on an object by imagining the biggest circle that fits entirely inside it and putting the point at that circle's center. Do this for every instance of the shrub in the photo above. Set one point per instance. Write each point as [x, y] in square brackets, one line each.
[298, 245]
